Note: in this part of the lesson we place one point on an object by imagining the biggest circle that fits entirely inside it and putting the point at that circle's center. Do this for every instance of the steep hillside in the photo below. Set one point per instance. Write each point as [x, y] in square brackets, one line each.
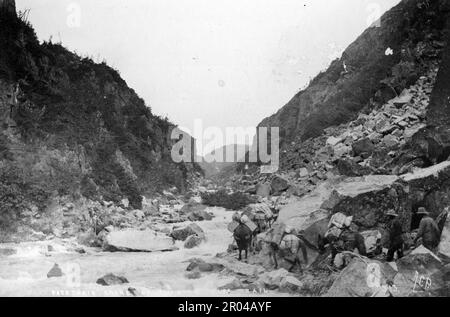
[70, 126]
[213, 169]
[367, 75]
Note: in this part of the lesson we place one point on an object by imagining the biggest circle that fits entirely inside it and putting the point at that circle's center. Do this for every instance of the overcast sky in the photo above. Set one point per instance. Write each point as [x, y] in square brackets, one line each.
[230, 63]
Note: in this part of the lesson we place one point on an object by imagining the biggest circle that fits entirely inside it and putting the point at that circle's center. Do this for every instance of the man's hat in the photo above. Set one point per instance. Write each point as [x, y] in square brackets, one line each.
[422, 211]
[392, 213]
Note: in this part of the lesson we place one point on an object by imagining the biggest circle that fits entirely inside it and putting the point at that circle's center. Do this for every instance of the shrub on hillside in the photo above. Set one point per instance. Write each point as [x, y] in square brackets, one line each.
[18, 193]
[221, 198]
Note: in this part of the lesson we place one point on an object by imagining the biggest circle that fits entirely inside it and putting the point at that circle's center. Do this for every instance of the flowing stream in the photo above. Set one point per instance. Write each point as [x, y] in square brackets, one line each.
[149, 274]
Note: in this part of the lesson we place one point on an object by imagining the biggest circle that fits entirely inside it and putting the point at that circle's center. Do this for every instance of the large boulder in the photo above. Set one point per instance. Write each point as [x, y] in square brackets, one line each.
[193, 241]
[362, 278]
[182, 234]
[111, 279]
[279, 185]
[420, 273]
[137, 241]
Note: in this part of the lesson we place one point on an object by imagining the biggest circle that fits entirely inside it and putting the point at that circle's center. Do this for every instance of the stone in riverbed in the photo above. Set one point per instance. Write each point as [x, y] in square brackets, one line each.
[193, 241]
[137, 241]
[182, 234]
[55, 272]
[194, 275]
[201, 266]
[111, 279]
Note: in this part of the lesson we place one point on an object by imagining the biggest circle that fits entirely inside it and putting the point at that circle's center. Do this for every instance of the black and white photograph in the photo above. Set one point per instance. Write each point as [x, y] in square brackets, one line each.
[243, 150]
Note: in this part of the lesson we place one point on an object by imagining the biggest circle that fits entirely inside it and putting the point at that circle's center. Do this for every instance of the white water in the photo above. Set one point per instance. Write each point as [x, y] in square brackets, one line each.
[151, 274]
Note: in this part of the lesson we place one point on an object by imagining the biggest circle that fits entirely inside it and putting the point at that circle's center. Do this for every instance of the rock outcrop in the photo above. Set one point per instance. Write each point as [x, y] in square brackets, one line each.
[340, 93]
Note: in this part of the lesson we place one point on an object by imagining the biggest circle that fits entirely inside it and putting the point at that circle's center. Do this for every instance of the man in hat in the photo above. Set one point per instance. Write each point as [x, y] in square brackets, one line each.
[428, 231]
[395, 230]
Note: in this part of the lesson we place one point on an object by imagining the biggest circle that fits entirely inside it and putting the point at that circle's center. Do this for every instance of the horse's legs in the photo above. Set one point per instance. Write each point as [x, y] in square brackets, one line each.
[246, 253]
[240, 255]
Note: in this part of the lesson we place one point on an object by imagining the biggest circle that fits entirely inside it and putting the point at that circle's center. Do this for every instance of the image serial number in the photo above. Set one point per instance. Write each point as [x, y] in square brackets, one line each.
[246, 306]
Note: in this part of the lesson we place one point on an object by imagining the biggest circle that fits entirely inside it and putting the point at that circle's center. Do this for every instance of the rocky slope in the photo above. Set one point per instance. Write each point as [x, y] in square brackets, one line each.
[75, 129]
[365, 140]
[412, 30]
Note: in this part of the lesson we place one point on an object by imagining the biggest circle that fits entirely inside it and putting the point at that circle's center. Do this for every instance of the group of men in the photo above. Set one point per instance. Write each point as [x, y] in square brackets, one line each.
[342, 239]
[429, 233]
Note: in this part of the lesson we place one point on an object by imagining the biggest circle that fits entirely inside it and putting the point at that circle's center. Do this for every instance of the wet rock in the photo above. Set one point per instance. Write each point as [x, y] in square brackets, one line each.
[201, 266]
[202, 215]
[80, 250]
[193, 275]
[193, 241]
[137, 241]
[111, 279]
[182, 234]
[196, 212]
[55, 272]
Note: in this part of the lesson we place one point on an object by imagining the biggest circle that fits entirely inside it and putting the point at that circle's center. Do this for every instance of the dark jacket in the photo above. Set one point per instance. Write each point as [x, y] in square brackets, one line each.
[395, 230]
[428, 231]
